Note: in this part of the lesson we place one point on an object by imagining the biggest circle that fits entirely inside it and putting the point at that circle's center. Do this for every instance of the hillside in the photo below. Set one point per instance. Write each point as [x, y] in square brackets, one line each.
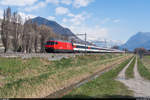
[58, 29]
[141, 39]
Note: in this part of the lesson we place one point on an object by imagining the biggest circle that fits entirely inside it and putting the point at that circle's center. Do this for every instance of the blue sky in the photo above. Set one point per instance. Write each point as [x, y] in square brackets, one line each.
[100, 19]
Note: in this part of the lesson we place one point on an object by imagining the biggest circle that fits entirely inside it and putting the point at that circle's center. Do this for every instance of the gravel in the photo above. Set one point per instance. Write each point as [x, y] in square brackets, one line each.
[49, 56]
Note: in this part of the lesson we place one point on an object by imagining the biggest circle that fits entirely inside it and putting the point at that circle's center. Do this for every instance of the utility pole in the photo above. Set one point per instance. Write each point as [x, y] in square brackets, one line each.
[85, 41]
[85, 44]
[105, 44]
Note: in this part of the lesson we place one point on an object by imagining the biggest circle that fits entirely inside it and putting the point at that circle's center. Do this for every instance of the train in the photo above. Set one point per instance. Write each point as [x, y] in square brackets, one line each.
[59, 46]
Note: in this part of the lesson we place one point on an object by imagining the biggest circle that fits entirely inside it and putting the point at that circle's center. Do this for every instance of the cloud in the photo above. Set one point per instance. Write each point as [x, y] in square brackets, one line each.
[117, 42]
[106, 20]
[64, 20]
[51, 17]
[17, 2]
[61, 10]
[81, 3]
[26, 16]
[76, 19]
[1, 14]
[23, 15]
[41, 5]
[53, 1]
[93, 33]
[75, 3]
[116, 20]
[46, 2]
[71, 15]
[76, 22]
[37, 6]
[67, 2]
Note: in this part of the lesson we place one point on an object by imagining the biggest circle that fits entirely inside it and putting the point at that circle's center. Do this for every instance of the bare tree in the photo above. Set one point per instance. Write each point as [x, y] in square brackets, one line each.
[3, 32]
[45, 34]
[6, 25]
[28, 38]
[17, 30]
[140, 52]
[36, 36]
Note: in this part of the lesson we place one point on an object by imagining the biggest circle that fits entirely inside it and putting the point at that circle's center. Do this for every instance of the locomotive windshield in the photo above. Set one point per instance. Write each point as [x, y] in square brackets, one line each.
[51, 43]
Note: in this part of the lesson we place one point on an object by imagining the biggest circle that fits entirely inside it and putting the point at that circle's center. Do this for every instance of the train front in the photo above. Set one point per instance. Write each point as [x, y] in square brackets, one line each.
[50, 46]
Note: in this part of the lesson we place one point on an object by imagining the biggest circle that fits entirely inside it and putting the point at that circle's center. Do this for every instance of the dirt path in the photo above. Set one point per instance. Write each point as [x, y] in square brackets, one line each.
[121, 75]
[139, 85]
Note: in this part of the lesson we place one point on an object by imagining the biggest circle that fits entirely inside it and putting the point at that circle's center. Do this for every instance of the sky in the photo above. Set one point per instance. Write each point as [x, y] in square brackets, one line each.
[116, 20]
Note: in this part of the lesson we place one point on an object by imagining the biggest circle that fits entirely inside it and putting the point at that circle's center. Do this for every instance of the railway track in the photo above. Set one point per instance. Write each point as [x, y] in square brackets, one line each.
[49, 56]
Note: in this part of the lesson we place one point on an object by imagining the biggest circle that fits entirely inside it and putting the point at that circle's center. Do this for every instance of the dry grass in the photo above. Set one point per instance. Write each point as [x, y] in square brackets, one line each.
[143, 68]
[146, 62]
[39, 77]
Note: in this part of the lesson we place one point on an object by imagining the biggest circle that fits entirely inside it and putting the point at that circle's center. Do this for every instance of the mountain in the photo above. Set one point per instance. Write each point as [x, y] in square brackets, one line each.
[57, 29]
[141, 39]
[106, 43]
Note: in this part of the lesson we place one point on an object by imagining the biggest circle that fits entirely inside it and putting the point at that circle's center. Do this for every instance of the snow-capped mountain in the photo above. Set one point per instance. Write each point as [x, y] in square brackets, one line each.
[106, 42]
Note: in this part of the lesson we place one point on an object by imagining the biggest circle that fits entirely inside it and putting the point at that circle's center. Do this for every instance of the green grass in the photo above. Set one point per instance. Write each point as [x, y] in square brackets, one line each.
[16, 68]
[144, 72]
[15, 65]
[22, 85]
[103, 86]
[129, 72]
[22, 77]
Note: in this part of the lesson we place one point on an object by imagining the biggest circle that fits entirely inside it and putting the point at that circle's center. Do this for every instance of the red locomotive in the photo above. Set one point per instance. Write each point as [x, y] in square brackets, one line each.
[58, 46]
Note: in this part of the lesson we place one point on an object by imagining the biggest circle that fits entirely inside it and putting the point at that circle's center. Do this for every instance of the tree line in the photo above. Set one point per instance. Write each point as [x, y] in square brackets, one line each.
[140, 52]
[24, 37]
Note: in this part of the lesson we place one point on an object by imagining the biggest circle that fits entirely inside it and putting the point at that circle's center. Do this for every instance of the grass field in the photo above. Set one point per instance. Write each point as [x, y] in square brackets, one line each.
[146, 62]
[144, 67]
[39, 77]
[129, 72]
[103, 86]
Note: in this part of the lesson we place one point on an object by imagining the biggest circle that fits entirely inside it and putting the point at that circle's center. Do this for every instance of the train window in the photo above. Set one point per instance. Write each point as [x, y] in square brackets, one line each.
[102, 49]
[49, 43]
[95, 48]
[81, 47]
[56, 42]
